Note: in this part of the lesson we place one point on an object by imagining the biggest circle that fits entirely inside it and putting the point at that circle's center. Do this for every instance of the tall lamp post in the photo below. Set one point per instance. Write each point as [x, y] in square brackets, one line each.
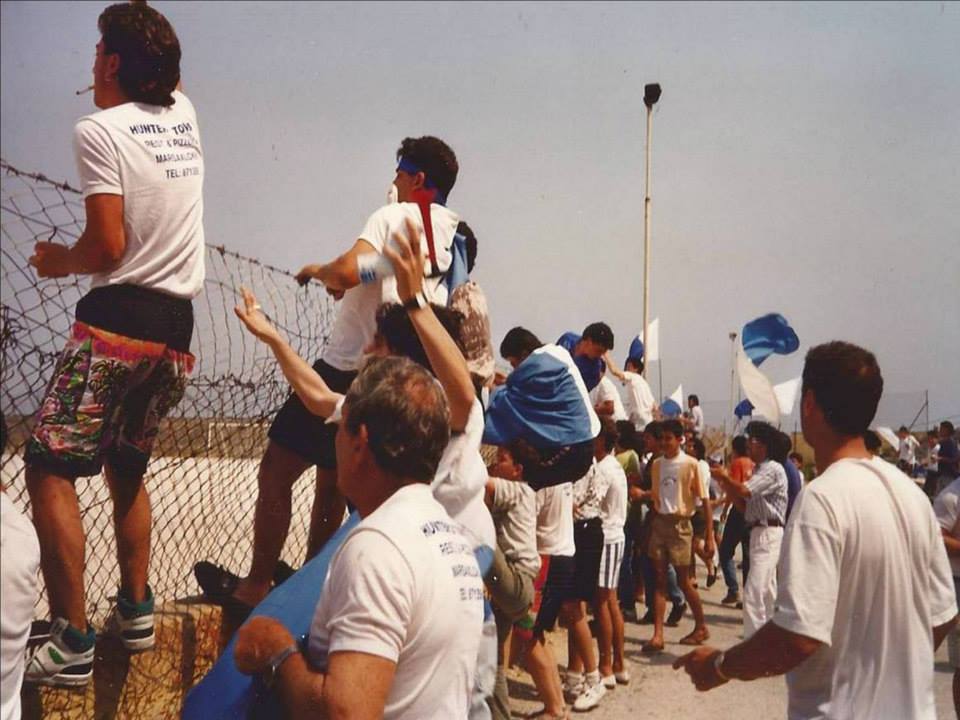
[733, 376]
[651, 93]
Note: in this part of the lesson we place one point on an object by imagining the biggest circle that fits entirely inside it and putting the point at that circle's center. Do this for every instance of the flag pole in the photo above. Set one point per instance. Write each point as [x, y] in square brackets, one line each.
[651, 93]
[733, 371]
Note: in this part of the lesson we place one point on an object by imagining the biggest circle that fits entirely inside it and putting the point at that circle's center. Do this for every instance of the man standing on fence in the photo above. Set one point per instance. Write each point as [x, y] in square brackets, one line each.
[362, 279]
[126, 361]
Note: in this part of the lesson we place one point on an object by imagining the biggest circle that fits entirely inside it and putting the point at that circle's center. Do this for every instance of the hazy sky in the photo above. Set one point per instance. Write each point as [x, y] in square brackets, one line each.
[805, 157]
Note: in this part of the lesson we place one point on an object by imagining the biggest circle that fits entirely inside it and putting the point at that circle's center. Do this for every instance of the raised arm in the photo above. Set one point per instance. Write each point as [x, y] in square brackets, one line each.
[340, 274]
[305, 381]
[445, 357]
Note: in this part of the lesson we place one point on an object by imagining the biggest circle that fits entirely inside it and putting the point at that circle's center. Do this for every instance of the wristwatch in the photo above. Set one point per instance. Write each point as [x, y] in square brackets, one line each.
[717, 662]
[274, 663]
[417, 302]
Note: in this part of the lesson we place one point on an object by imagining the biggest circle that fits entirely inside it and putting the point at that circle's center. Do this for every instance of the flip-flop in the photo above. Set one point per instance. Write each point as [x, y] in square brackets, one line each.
[650, 648]
[217, 583]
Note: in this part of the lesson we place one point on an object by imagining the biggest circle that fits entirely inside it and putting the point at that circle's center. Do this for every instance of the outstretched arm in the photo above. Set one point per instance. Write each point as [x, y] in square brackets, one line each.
[445, 357]
[306, 383]
[340, 274]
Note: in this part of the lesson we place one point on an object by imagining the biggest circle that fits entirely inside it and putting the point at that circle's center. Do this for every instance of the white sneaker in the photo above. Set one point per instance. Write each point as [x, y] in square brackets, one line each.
[609, 682]
[622, 677]
[590, 698]
[54, 663]
[572, 689]
[133, 623]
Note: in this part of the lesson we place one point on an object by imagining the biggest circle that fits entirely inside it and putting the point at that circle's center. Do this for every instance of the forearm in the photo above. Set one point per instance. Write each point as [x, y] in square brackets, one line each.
[341, 274]
[952, 544]
[771, 651]
[301, 689]
[92, 254]
[305, 381]
[941, 631]
[448, 365]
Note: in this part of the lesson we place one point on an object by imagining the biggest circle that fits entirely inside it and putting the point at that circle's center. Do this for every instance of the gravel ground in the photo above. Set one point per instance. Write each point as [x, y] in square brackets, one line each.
[657, 691]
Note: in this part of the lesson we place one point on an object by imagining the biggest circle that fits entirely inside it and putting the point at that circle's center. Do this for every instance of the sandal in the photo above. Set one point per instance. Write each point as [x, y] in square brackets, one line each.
[651, 648]
[695, 638]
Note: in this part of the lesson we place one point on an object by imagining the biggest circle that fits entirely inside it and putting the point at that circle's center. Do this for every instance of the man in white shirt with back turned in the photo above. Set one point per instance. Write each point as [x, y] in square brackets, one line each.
[865, 591]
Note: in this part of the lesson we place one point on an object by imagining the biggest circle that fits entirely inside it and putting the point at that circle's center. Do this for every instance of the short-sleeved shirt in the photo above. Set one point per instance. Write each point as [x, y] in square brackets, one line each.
[630, 462]
[794, 484]
[613, 507]
[696, 415]
[863, 570]
[741, 468]
[640, 402]
[589, 491]
[355, 324]
[590, 370]
[768, 494]
[604, 391]
[947, 509]
[675, 485]
[908, 450]
[951, 462]
[152, 156]
[555, 520]
[405, 586]
[514, 512]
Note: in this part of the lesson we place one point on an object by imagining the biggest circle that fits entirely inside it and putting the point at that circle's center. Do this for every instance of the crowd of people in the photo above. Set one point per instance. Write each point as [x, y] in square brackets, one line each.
[491, 506]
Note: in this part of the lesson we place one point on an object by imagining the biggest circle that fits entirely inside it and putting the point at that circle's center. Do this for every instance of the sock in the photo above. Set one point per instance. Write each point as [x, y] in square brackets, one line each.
[593, 678]
[77, 640]
[131, 609]
[574, 679]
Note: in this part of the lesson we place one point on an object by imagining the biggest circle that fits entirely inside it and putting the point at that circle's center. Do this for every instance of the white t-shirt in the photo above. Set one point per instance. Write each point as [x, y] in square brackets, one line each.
[947, 509]
[703, 474]
[515, 517]
[672, 472]
[639, 400]
[355, 325]
[908, 449]
[613, 508]
[20, 561]
[863, 570]
[555, 520]
[696, 416]
[604, 391]
[461, 480]
[151, 155]
[405, 586]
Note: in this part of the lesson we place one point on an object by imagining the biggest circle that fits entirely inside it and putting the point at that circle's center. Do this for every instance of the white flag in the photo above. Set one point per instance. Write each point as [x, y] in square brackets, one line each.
[757, 388]
[786, 393]
[677, 395]
[890, 436]
[652, 351]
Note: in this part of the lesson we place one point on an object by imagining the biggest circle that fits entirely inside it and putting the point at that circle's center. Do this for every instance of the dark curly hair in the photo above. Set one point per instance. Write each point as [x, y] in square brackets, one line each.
[435, 158]
[397, 331]
[148, 48]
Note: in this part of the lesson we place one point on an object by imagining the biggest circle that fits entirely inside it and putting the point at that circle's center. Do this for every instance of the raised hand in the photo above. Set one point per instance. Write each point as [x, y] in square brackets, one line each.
[253, 318]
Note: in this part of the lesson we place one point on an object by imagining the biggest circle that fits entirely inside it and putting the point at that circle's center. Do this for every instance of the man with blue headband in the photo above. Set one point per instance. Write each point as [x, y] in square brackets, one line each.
[362, 279]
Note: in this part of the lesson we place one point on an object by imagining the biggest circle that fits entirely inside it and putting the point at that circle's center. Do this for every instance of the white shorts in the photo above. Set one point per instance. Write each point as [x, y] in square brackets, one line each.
[953, 637]
[610, 565]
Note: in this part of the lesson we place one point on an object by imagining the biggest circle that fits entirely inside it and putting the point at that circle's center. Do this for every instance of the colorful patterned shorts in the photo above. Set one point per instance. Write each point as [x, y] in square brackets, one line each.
[107, 397]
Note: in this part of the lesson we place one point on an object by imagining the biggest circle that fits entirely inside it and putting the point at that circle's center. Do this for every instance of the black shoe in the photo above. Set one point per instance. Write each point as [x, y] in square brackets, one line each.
[731, 598]
[711, 579]
[739, 605]
[647, 619]
[673, 619]
[216, 581]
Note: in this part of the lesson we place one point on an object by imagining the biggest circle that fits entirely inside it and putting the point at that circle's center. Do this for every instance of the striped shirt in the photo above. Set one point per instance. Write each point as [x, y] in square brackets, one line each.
[768, 494]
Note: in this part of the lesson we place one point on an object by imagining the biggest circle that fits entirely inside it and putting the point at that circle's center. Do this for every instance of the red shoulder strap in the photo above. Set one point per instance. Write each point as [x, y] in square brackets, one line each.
[423, 198]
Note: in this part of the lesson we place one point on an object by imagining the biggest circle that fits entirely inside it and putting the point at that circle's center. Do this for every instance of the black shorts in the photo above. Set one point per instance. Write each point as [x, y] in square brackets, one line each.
[556, 590]
[588, 537]
[310, 436]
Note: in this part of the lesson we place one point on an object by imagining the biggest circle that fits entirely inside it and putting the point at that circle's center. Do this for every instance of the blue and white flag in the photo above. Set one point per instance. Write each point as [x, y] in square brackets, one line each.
[544, 402]
[767, 335]
[743, 409]
[457, 273]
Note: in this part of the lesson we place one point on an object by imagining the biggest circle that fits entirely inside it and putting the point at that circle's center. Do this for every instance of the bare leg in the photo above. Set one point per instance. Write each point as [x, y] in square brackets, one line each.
[574, 662]
[132, 519]
[542, 666]
[693, 599]
[576, 624]
[56, 516]
[279, 469]
[610, 633]
[956, 693]
[327, 514]
[659, 602]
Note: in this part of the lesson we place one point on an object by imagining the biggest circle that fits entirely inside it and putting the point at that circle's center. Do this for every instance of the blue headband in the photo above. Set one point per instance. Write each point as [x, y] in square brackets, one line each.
[411, 168]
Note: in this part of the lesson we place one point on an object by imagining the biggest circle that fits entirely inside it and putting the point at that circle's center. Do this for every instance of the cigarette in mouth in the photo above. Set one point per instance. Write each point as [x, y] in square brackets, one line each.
[85, 90]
